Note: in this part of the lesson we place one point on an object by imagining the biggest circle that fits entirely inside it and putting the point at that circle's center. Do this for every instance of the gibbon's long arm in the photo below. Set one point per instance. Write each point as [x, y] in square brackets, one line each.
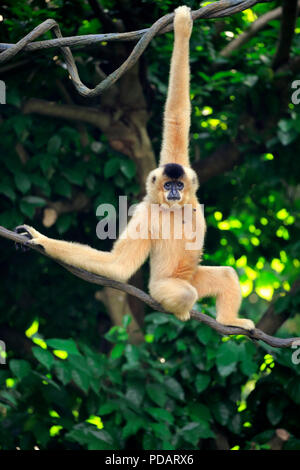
[126, 257]
[178, 107]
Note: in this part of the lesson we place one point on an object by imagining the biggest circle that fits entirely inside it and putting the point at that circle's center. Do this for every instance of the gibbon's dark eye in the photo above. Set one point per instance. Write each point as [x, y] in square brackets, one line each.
[153, 179]
[180, 185]
[168, 185]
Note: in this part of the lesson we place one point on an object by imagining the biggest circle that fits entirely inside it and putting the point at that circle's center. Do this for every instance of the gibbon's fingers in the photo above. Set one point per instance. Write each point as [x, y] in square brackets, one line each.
[30, 232]
[183, 23]
[24, 230]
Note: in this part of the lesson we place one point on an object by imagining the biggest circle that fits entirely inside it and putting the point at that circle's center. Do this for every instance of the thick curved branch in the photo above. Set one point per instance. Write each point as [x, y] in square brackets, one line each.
[215, 10]
[255, 334]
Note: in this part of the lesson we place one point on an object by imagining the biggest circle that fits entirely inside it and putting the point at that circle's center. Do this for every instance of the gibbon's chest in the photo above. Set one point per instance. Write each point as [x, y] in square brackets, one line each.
[176, 242]
[181, 225]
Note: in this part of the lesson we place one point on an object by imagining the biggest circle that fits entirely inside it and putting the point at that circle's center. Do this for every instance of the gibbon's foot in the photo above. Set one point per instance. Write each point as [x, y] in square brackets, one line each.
[240, 322]
[29, 233]
[183, 23]
[183, 316]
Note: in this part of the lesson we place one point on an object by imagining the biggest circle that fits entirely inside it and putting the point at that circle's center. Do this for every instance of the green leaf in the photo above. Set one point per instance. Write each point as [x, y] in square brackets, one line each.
[62, 187]
[133, 426]
[157, 394]
[94, 439]
[126, 320]
[227, 358]
[221, 412]
[108, 408]
[193, 432]
[22, 181]
[7, 191]
[67, 345]
[35, 201]
[202, 382]
[135, 394]
[54, 144]
[64, 222]
[6, 395]
[63, 372]
[43, 356]
[199, 412]
[293, 389]
[19, 367]
[132, 354]
[128, 168]
[27, 209]
[174, 389]
[160, 430]
[204, 334]
[75, 175]
[160, 414]
[117, 350]
[286, 138]
[112, 167]
[275, 408]
[81, 379]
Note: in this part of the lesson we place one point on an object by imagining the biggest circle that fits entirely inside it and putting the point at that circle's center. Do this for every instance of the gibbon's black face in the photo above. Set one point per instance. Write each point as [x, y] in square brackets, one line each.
[173, 186]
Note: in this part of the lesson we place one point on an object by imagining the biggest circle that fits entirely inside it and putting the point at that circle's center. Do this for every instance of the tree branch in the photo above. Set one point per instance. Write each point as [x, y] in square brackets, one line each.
[255, 334]
[215, 10]
[252, 31]
[271, 321]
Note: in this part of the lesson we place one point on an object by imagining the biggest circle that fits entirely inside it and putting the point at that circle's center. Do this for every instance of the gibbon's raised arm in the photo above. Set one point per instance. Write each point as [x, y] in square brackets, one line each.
[126, 257]
[175, 146]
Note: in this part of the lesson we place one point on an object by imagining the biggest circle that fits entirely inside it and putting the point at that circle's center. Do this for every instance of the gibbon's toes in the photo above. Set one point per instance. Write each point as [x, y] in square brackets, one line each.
[22, 230]
[240, 322]
[183, 316]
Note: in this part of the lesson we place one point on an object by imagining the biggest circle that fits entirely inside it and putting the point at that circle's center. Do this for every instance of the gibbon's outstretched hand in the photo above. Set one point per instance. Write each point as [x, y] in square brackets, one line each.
[170, 205]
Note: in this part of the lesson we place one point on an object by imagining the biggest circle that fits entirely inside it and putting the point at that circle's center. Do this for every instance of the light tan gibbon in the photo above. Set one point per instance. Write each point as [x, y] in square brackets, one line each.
[177, 280]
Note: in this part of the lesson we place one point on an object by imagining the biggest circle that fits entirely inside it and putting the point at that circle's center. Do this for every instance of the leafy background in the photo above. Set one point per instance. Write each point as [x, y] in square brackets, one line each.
[89, 368]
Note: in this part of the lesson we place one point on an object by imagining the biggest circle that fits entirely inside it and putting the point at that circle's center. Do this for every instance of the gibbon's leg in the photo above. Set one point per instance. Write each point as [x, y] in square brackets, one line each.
[175, 295]
[176, 123]
[120, 264]
[222, 283]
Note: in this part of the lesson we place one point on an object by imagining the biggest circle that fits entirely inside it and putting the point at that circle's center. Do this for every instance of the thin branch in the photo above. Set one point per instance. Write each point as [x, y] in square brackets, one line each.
[271, 320]
[289, 16]
[257, 26]
[215, 10]
[255, 334]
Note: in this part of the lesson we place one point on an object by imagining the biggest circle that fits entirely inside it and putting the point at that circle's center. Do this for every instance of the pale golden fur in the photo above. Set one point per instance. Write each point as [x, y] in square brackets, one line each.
[177, 280]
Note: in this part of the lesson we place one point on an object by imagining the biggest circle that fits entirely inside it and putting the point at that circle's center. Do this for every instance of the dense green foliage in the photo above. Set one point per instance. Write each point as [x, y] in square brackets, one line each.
[72, 379]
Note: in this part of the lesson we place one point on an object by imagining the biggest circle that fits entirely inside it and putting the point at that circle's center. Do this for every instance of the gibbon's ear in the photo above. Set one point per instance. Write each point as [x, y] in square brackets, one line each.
[176, 125]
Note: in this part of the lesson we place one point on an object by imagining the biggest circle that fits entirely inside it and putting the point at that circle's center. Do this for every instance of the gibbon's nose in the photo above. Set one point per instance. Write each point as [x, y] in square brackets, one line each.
[173, 197]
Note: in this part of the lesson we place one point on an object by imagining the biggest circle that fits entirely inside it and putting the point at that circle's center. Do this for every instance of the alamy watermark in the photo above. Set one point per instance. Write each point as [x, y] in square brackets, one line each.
[296, 354]
[155, 222]
[2, 92]
[296, 94]
[2, 352]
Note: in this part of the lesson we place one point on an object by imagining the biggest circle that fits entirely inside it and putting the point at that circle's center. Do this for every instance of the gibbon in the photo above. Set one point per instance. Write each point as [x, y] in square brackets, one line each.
[177, 280]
